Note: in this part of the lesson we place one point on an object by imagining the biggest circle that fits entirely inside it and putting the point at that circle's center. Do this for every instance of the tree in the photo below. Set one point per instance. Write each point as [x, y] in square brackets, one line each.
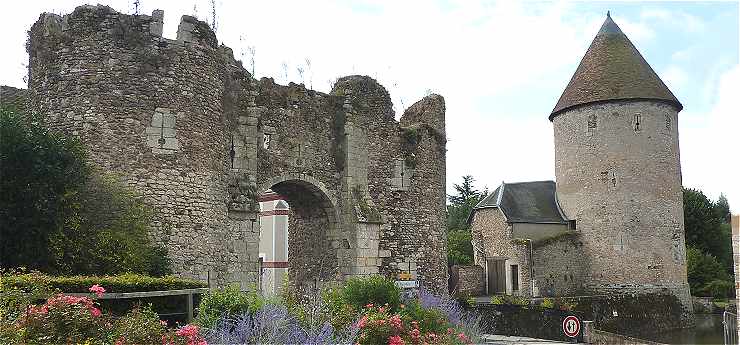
[708, 242]
[465, 191]
[462, 203]
[722, 209]
[58, 216]
[459, 247]
[703, 229]
[40, 174]
[703, 269]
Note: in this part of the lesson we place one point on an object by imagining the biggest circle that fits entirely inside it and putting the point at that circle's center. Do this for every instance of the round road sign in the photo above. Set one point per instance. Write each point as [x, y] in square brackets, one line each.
[571, 326]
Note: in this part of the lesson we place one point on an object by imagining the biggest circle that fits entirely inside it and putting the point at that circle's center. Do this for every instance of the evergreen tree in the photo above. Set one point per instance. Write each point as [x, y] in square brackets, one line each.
[461, 204]
[722, 209]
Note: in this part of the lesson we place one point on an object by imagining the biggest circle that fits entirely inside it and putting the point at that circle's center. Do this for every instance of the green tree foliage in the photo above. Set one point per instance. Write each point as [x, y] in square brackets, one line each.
[459, 247]
[722, 209]
[58, 216]
[702, 268]
[461, 204]
[40, 174]
[708, 243]
[704, 229]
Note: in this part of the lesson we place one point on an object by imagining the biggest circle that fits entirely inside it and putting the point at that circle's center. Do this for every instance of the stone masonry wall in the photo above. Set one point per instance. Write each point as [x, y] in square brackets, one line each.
[619, 176]
[470, 280]
[559, 266]
[189, 129]
[492, 238]
[10, 96]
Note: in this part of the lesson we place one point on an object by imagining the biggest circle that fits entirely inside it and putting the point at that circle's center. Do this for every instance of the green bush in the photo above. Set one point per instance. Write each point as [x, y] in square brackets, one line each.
[377, 290]
[547, 303]
[430, 320]
[459, 247]
[336, 309]
[140, 326]
[719, 289]
[509, 299]
[60, 216]
[121, 283]
[225, 303]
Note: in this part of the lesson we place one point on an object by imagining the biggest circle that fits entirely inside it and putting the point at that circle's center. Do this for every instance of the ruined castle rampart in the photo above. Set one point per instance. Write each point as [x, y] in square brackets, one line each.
[184, 124]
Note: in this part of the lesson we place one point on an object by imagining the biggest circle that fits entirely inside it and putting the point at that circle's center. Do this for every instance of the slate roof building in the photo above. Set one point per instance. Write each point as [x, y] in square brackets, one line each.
[612, 221]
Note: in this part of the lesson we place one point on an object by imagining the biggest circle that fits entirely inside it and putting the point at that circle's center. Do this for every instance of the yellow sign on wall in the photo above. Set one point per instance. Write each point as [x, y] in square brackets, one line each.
[405, 276]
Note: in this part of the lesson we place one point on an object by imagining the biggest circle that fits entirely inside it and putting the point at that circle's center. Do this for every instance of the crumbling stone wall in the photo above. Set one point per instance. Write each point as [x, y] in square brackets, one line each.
[184, 124]
[10, 96]
[619, 176]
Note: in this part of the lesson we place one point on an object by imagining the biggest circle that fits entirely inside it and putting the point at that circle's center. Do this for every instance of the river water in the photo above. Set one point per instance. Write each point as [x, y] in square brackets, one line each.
[708, 330]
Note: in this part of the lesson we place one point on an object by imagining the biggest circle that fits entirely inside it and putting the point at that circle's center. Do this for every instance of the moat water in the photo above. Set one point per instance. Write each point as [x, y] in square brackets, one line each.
[708, 330]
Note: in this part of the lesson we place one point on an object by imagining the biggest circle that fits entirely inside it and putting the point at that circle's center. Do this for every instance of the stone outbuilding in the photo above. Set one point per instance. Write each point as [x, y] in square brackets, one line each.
[612, 222]
[520, 232]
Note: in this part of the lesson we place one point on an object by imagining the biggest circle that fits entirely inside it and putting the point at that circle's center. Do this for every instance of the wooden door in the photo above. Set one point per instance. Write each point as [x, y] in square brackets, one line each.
[496, 276]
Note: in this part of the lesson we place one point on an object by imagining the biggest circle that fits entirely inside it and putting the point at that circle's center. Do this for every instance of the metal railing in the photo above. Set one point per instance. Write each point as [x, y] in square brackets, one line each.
[729, 322]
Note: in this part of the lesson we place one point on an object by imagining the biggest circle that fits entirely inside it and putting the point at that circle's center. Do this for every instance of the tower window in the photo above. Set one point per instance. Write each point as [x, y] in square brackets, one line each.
[668, 122]
[591, 123]
[637, 123]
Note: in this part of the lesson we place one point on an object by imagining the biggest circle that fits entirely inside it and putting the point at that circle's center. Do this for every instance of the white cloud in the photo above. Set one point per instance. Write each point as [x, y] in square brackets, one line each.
[709, 143]
[678, 19]
[675, 78]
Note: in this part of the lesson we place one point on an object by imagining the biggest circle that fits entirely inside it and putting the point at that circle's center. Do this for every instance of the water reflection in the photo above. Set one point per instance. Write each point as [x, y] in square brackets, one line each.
[708, 330]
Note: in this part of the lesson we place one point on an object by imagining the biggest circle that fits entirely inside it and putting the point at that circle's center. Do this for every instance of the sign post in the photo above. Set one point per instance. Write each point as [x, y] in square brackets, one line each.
[571, 326]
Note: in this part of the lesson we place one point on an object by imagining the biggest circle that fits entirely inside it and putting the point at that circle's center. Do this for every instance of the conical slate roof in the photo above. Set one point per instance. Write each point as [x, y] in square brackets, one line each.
[613, 69]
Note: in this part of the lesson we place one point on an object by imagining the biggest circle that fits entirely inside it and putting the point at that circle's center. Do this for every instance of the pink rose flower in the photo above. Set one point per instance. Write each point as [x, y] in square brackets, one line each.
[362, 322]
[188, 331]
[395, 340]
[97, 290]
[463, 338]
[95, 312]
[396, 322]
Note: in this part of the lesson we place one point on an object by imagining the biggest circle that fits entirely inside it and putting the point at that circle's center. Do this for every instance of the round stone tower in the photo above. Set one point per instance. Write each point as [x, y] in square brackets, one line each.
[618, 172]
[149, 111]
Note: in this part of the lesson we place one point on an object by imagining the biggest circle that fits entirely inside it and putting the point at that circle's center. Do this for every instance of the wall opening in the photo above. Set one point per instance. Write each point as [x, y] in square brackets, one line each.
[297, 235]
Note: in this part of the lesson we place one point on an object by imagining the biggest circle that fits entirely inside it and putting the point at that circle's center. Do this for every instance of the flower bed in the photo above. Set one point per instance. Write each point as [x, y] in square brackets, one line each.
[231, 316]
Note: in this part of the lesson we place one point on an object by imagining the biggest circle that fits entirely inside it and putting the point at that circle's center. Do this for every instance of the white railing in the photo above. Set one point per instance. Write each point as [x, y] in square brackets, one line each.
[729, 321]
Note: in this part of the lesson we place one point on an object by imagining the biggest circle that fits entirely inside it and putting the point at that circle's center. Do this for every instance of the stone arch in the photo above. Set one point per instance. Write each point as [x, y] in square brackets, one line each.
[314, 228]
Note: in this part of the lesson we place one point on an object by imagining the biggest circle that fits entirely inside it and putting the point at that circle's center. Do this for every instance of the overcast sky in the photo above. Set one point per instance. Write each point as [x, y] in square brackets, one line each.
[501, 66]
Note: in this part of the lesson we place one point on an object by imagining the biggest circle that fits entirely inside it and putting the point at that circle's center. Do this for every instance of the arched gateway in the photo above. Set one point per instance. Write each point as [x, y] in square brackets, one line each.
[183, 123]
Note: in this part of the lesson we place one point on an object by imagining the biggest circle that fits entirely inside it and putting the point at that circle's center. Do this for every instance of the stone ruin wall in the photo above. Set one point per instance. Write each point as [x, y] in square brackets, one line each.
[189, 129]
[14, 97]
[621, 182]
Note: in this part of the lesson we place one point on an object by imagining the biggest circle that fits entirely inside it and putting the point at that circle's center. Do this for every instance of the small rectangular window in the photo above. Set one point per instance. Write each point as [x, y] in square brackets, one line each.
[638, 123]
[514, 277]
[668, 122]
[591, 123]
